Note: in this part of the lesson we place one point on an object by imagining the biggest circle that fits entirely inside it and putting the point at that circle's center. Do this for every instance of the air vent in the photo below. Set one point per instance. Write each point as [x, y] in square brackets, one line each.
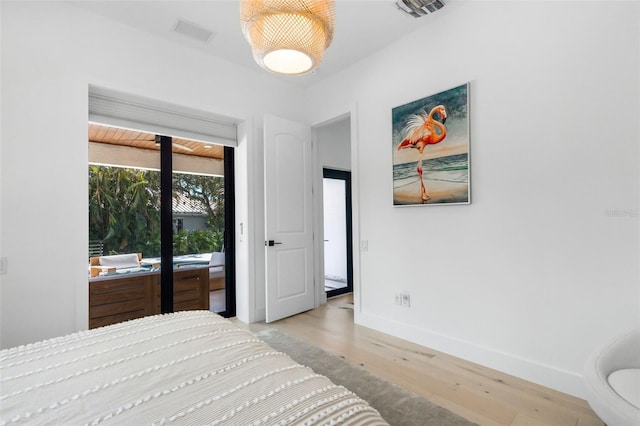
[418, 8]
[193, 31]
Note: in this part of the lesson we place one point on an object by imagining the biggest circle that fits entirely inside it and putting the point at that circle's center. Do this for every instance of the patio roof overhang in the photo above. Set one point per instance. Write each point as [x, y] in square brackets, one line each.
[130, 148]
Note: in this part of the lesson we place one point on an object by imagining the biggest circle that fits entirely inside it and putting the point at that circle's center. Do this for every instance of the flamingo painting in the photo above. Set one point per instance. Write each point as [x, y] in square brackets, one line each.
[424, 129]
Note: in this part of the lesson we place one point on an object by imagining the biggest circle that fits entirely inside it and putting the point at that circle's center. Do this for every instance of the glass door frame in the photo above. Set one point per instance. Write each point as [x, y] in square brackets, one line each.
[166, 223]
[166, 227]
[229, 233]
[346, 177]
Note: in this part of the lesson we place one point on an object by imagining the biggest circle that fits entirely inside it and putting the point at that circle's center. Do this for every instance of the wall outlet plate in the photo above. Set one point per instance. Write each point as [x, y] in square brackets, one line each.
[406, 300]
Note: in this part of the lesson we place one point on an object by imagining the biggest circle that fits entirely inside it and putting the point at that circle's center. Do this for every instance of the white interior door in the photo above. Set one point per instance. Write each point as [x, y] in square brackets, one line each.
[288, 218]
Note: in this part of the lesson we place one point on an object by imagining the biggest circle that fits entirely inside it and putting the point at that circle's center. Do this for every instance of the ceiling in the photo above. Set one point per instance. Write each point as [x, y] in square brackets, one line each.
[142, 140]
[361, 28]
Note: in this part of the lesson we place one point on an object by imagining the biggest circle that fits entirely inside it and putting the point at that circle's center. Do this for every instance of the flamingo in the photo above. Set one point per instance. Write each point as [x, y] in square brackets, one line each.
[422, 130]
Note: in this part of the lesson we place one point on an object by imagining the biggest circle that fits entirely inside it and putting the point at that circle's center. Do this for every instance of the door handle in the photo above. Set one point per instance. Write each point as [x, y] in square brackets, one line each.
[271, 243]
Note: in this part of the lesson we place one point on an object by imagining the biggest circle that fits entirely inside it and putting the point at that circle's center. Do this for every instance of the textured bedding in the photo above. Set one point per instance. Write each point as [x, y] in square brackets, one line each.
[190, 367]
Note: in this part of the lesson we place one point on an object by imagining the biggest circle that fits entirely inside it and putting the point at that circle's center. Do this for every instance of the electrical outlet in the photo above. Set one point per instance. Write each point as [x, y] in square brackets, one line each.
[3, 265]
[398, 299]
[406, 300]
[403, 299]
[364, 245]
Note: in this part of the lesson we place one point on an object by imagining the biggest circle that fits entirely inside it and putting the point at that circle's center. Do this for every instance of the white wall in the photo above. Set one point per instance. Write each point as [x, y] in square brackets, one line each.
[542, 266]
[51, 52]
[334, 144]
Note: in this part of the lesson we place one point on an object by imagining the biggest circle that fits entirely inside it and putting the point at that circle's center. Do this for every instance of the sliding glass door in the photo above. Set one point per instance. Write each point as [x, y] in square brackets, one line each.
[157, 201]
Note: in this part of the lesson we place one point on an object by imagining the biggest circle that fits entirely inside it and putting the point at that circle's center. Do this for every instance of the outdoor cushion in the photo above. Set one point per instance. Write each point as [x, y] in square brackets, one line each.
[216, 272]
[119, 261]
[217, 259]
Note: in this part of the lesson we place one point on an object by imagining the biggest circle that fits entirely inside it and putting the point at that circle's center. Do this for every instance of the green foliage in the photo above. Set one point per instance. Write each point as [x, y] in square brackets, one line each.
[208, 190]
[197, 241]
[124, 209]
[124, 206]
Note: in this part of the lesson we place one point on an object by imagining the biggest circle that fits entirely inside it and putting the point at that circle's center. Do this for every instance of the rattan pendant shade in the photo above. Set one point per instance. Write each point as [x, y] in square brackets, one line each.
[288, 36]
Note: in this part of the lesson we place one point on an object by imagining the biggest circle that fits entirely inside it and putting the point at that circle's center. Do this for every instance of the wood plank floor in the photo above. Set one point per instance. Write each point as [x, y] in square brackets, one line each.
[480, 394]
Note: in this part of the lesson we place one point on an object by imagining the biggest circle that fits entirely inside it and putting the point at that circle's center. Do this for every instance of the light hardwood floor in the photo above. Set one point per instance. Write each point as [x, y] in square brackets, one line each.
[480, 394]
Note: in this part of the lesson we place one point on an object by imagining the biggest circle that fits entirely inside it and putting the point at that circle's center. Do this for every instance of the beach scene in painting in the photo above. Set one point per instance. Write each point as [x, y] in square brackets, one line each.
[431, 150]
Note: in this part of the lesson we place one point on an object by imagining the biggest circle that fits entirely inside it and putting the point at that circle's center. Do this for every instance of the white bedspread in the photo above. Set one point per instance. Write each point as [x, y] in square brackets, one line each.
[191, 367]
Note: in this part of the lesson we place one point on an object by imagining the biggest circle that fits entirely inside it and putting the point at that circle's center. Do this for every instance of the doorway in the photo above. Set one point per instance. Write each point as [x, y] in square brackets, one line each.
[191, 229]
[338, 240]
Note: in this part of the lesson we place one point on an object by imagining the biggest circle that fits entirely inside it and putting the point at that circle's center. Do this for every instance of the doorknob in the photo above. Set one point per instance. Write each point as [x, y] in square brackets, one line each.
[271, 243]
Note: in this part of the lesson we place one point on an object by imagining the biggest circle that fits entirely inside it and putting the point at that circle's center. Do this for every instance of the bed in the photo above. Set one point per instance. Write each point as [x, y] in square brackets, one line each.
[191, 367]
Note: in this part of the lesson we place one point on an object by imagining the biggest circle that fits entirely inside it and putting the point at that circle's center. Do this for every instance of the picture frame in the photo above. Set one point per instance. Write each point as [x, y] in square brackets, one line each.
[430, 142]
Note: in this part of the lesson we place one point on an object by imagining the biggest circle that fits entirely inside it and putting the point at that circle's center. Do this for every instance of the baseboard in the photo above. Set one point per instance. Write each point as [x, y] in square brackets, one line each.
[545, 375]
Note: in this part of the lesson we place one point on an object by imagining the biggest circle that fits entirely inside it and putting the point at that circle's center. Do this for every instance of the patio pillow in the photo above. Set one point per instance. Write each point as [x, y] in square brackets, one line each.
[217, 259]
[120, 261]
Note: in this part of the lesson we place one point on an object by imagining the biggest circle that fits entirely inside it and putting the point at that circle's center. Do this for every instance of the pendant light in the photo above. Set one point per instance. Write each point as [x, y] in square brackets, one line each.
[288, 36]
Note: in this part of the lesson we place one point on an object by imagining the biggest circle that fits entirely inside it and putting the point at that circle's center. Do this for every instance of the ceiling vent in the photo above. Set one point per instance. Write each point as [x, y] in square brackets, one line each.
[193, 31]
[418, 8]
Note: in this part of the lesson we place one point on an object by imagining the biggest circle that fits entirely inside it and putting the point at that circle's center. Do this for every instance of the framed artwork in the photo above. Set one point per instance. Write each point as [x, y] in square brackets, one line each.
[431, 150]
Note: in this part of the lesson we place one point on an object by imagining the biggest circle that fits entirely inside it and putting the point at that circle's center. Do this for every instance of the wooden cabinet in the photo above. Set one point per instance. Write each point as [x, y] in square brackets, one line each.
[114, 299]
[117, 299]
[190, 289]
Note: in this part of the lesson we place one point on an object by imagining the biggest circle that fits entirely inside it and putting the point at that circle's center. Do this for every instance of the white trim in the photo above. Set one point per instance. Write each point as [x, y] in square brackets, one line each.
[244, 225]
[543, 374]
[128, 111]
[355, 215]
[318, 232]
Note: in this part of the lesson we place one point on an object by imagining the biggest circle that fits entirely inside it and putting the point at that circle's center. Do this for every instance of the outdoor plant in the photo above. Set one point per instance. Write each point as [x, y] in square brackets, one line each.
[124, 206]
